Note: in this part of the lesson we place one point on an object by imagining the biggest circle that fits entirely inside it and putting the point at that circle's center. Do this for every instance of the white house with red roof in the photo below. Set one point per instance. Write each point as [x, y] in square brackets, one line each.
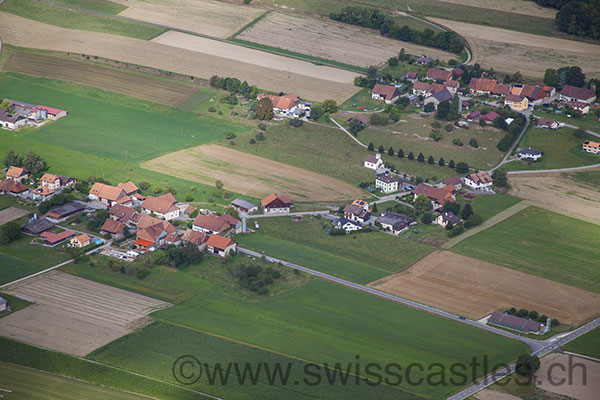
[387, 93]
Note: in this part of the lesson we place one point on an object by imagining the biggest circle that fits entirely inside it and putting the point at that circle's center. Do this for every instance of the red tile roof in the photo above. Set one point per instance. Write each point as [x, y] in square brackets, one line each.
[218, 241]
[439, 74]
[433, 193]
[161, 204]
[108, 192]
[577, 92]
[482, 84]
[15, 172]
[112, 226]
[386, 91]
[420, 86]
[282, 102]
[8, 185]
[284, 198]
[491, 116]
[53, 238]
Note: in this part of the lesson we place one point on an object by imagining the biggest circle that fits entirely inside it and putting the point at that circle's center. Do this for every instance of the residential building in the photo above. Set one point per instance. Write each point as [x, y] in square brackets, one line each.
[506, 320]
[129, 188]
[286, 105]
[420, 88]
[446, 218]
[52, 239]
[395, 223]
[195, 237]
[437, 74]
[529, 154]
[500, 90]
[17, 174]
[424, 60]
[473, 116]
[113, 227]
[437, 196]
[361, 203]
[212, 223]
[66, 181]
[580, 106]
[385, 92]
[220, 245]
[455, 181]
[80, 241]
[452, 86]
[411, 76]
[516, 102]
[13, 188]
[547, 123]
[572, 93]
[374, 161]
[479, 180]
[275, 204]
[106, 194]
[357, 214]
[11, 121]
[123, 214]
[42, 193]
[244, 206]
[591, 147]
[438, 97]
[50, 181]
[489, 117]
[163, 206]
[481, 86]
[387, 183]
[347, 225]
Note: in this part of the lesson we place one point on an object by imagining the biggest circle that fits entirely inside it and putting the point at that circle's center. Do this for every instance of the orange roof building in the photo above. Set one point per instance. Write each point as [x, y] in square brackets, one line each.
[220, 245]
[106, 193]
[17, 173]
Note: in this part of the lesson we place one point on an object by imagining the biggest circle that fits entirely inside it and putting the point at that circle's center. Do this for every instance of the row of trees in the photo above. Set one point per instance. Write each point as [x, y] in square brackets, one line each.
[531, 314]
[32, 162]
[461, 167]
[234, 86]
[573, 76]
[376, 19]
[576, 17]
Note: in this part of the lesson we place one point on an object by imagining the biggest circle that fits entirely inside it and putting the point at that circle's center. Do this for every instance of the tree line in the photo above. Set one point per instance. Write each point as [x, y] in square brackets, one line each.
[576, 17]
[372, 18]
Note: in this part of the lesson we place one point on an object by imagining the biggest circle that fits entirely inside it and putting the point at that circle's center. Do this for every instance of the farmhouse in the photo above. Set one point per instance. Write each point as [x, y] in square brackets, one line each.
[516, 102]
[65, 211]
[361, 204]
[51, 112]
[288, 105]
[437, 196]
[50, 181]
[13, 188]
[424, 60]
[591, 147]
[513, 322]
[17, 173]
[152, 232]
[572, 93]
[3, 305]
[500, 89]
[107, 194]
[244, 206]
[473, 116]
[275, 203]
[395, 223]
[163, 206]
[122, 213]
[80, 241]
[547, 123]
[357, 214]
[51, 238]
[580, 106]
[112, 227]
[387, 183]
[481, 86]
[529, 154]
[385, 92]
[11, 121]
[220, 245]
[438, 97]
[374, 162]
[347, 225]
[479, 180]
[455, 181]
[446, 218]
[437, 74]
[37, 226]
[215, 223]
[534, 94]
[489, 117]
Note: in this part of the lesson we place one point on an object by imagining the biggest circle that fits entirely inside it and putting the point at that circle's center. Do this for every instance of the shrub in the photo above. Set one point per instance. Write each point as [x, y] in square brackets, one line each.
[420, 157]
[436, 125]
[427, 218]
[462, 167]
[449, 128]
[392, 62]
[411, 156]
[429, 107]
[296, 122]
[457, 230]
[473, 143]
[451, 164]
[457, 141]
[473, 220]
[436, 136]
[430, 160]
[442, 163]
[337, 232]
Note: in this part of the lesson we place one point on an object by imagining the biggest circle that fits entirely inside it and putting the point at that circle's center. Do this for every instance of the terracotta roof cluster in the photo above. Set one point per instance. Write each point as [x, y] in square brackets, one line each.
[215, 223]
[161, 205]
[577, 92]
[439, 74]
[482, 84]
[283, 198]
[107, 192]
[440, 196]
[386, 91]
[54, 238]
[481, 178]
[15, 172]
[112, 226]
[284, 102]
[10, 186]
[219, 242]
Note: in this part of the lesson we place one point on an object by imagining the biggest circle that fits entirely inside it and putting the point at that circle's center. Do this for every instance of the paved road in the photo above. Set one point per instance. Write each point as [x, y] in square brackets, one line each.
[287, 214]
[504, 160]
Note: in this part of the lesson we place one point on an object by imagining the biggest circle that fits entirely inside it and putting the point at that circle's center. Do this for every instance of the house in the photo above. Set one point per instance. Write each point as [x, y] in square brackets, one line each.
[446, 218]
[275, 203]
[65, 211]
[535, 94]
[195, 237]
[220, 245]
[357, 214]
[437, 74]
[455, 181]
[363, 121]
[129, 188]
[17, 174]
[244, 206]
[457, 72]
[387, 183]
[451, 86]
[37, 226]
[420, 88]
[434, 88]
[122, 213]
[550, 92]
[361, 204]
[42, 193]
[284, 105]
[385, 92]
[479, 180]
[572, 93]
[437, 196]
[13, 188]
[473, 116]
[395, 223]
[411, 76]
[11, 121]
[347, 225]
[438, 98]
[112, 227]
[424, 60]
[506, 320]
[547, 123]
[465, 104]
[580, 106]
[374, 162]
[152, 232]
[66, 181]
[515, 102]
[529, 154]
[51, 112]
[171, 239]
[163, 206]
[481, 86]
[80, 241]
[51, 238]
[216, 223]
[489, 117]
[591, 147]
[107, 194]
[3, 305]
[50, 181]
[500, 89]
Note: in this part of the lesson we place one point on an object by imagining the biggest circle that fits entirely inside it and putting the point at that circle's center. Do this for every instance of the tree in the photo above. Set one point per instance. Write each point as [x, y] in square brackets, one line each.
[391, 151]
[442, 163]
[575, 77]
[462, 167]
[371, 146]
[579, 133]
[316, 112]
[435, 135]
[551, 77]
[9, 232]
[374, 208]
[402, 56]
[392, 62]
[247, 1]
[420, 157]
[429, 107]
[422, 203]
[452, 206]
[264, 108]
[7, 105]
[453, 113]
[533, 314]
[527, 365]
[427, 218]
[451, 164]
[219, 184]
[13, 159]
[296, 122]
[34, 163]
[467, 211]
[330, 106]
[500, 177]
[400, 153]
[473, 143]
[355, 126]
[473, 220]
[430, 160]
[442, 110]
[411, 156]
[380, 150]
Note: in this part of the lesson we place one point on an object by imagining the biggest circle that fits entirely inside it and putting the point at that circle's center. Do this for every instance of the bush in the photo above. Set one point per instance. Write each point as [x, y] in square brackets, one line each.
[436, 125]
[427, 218]
[457, 230]
[430, 160]
[337, 232]
[533, 314]
[522, 313]
[442, 163]
[296, 122]
[462, 168]
[473, 143]
[449, 128]
[420, 157]
[451, 164]
[392, 62]
[429, 107]
[473, 220]
[436, 136]
[457, 142]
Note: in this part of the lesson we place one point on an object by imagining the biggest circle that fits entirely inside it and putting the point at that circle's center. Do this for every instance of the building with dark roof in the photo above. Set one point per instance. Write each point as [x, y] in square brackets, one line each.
[506, 320]
[38, 226]
[65, 211]
[395, 223]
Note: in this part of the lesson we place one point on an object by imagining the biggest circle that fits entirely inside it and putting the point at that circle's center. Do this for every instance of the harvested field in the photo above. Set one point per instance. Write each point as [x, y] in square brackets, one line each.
[510, 51]
[559, 193]
[270, 72]
[327, 39]
[213, 18]
[571, 370]
[475, 288]
[74, 315]
[489, 394]
[143, 86]
[10, 214]
[513, 6]
[252, 175]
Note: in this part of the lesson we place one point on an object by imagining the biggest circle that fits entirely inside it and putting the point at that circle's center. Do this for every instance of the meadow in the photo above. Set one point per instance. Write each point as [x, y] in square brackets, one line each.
[54, 14]
[488, 206]
[360, 258]
[541, 243]
[14, 303]
[588, 177]
[589, 121]
[104, 6]
[588, 344]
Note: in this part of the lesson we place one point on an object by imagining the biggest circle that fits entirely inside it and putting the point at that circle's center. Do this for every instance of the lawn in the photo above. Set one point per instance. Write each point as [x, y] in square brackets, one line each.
[29, 383]
[360, 258]
[561, 150]
[15, 352]
[360, 100]
[104, 6]
[588, 177]
[488, 206]
[14, 303]
[590, 121]
[54, 14]
[541, 243]
[588, 344]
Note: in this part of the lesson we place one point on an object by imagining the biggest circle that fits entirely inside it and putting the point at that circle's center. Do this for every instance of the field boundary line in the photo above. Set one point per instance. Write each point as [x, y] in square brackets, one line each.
[582, 356]
[496, 219]
[250, 24]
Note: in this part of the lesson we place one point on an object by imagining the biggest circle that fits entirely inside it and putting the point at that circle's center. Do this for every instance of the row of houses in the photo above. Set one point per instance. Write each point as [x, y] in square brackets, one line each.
[49, 184]
[22, 114]
[358, 213]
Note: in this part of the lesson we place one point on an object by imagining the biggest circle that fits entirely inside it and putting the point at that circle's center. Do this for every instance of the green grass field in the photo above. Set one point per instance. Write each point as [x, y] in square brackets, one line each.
[588, 344]
[54, 14]
[359, 258]
[105, 6]
[590, 121]
[588, 177]
[360, 100]
[488, 206]
[14, 303]
[541, 243]
[27, 383]
[561, 150]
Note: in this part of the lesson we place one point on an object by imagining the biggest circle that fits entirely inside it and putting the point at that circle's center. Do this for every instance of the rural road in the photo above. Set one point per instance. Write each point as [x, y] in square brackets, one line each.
[517, 140]
[573, 127]
[287, 214]
[533, 171]
[347, 133]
